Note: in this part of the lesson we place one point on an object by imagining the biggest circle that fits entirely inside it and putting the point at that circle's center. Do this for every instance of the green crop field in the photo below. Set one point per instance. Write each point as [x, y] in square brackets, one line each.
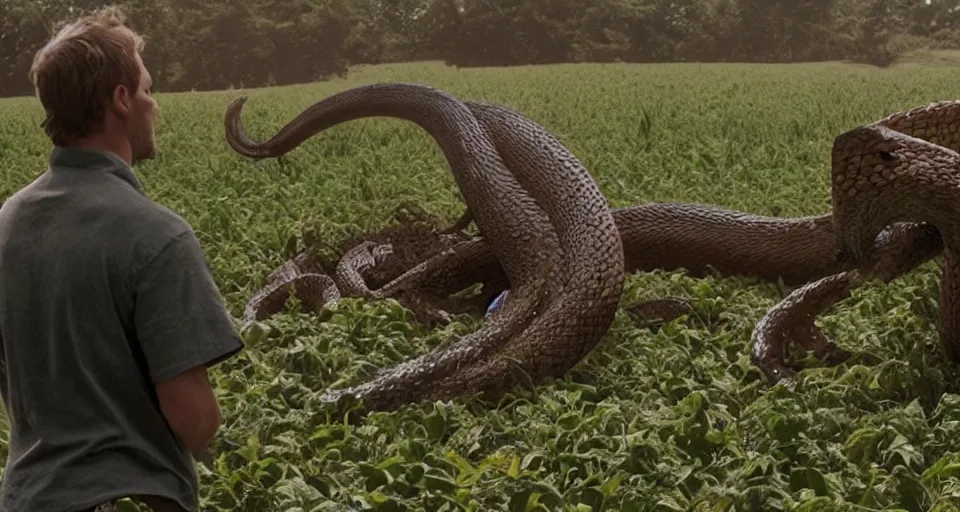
[663, 419]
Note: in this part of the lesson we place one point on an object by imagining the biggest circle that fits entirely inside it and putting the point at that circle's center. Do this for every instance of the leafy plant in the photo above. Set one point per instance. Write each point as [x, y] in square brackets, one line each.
[668, 419]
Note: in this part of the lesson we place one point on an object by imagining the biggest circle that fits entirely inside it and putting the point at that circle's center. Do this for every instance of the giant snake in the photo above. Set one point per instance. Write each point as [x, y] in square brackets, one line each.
[695, 237]
[545, 220]
[880, 176]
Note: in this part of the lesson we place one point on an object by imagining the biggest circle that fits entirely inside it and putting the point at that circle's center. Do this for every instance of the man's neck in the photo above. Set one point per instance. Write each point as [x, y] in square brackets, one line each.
[117, 146]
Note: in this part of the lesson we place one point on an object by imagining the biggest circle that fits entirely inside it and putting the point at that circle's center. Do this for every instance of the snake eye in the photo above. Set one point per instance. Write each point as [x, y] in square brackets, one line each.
[886, 156]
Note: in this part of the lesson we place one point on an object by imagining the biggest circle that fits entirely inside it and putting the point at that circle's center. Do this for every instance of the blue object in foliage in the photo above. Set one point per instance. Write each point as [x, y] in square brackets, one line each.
[497, 303]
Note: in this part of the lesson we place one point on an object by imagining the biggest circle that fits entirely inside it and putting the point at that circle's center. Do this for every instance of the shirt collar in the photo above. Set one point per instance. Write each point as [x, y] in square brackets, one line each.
[92, 158]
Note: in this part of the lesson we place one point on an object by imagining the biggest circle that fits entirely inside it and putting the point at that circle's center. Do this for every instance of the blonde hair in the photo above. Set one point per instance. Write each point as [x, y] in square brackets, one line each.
[77, 71]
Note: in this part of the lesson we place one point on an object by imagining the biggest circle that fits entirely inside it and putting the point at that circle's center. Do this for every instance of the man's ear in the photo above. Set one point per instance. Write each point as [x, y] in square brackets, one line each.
[121, 100]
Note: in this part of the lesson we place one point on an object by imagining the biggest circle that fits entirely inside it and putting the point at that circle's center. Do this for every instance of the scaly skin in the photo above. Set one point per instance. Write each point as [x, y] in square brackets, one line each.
[880, 177]
[412, 240]
[564, 262]
[705, 239]
[791, 321]
[299, 276]
[355, 262]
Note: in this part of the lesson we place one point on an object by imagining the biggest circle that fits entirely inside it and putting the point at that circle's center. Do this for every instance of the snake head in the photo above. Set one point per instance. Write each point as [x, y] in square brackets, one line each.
[881, 176]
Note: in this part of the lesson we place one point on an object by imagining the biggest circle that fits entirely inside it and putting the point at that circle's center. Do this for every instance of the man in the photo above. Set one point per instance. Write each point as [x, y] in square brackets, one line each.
[109, 317]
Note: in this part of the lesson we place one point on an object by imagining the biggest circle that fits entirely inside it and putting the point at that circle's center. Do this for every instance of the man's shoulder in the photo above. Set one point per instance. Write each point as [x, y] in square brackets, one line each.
[151, 228]
[155, 219]
[133, 217]
[17, 198]
[107, 196]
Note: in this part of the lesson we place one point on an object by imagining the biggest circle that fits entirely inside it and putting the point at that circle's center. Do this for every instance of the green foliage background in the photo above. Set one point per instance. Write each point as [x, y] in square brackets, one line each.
[667, 419]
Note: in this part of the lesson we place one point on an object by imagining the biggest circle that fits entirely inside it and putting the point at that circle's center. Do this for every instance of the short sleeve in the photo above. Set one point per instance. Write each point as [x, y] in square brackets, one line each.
[179, 314]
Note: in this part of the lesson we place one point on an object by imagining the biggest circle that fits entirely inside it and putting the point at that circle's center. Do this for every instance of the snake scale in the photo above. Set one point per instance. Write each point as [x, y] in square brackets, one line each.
[549, 227]
[703, 238]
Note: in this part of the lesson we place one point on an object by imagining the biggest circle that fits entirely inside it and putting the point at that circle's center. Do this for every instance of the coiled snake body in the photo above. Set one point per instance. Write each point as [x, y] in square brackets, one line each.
[704, 239]
[547, 224]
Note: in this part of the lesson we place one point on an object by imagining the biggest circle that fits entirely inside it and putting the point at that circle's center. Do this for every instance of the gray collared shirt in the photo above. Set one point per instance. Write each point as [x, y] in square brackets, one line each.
[103, 292]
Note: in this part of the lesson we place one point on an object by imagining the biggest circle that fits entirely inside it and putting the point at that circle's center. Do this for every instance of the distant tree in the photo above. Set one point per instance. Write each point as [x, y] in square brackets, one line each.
[206, 44]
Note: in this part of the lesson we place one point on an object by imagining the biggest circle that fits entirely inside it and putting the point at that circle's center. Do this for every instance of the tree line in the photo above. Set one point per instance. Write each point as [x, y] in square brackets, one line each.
[208, 44]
